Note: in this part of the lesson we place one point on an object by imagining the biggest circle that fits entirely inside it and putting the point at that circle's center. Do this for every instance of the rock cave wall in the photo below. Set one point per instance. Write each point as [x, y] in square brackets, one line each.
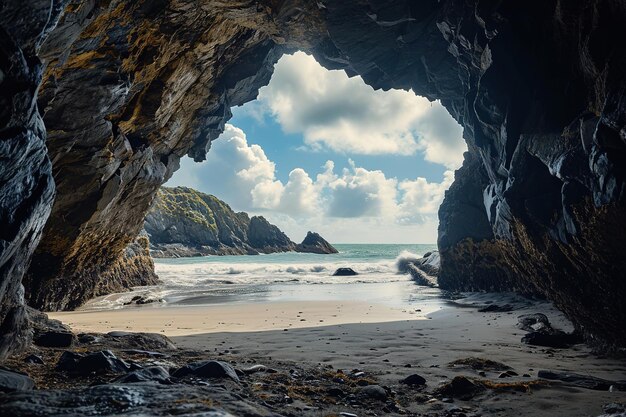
[129, 87]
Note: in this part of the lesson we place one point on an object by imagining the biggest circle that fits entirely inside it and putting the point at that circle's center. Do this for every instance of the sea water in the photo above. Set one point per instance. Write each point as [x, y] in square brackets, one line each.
[289, 276]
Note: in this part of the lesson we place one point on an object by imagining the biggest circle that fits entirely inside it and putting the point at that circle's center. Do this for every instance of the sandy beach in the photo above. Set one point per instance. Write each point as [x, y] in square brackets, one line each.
[390, 343]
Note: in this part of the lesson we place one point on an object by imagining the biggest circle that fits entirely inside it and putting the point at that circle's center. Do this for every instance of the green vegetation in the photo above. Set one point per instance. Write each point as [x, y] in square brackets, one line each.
[191, 204]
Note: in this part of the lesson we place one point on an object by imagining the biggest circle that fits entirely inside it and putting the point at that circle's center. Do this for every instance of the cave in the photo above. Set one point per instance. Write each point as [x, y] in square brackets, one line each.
[101, 99]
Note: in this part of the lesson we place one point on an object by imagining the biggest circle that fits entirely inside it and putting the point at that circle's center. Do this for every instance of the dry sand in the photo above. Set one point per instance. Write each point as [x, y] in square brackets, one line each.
[383, 341]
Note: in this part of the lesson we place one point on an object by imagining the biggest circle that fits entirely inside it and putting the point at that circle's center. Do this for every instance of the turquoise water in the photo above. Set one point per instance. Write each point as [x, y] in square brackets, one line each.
[355, 253]
[283, 277]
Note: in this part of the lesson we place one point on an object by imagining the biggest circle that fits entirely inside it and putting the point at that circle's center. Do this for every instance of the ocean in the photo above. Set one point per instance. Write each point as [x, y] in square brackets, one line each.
[282, 277]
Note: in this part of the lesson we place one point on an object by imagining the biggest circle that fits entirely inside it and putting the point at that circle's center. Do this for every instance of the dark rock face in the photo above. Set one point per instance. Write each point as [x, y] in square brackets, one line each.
[266, 237]
[186, 222]
[131, 86]
[26, 185]
[314, 243]
[134, 267]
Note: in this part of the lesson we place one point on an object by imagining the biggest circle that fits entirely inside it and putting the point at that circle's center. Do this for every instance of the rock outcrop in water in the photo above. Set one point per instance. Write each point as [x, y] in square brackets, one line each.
[186, 222]
[314, 243]
[128, 87]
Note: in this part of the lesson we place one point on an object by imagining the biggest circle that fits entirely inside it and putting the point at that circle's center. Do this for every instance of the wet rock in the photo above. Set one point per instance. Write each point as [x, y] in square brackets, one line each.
[314, 243]
[12, 381]
[150, 374]
[139, 399]
[342, 272]
[207, 369]
[374, 392]
[34, 359]
[460, 387]
[414, 380]
[583, 381]
[96, 362]
[423, 270]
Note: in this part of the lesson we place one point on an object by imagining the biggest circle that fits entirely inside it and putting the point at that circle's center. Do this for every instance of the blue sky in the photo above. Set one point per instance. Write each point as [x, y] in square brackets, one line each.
[286, 151]
[321, 151]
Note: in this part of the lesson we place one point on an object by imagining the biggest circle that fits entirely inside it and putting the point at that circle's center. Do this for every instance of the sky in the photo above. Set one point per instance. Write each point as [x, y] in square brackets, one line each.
[324, 152]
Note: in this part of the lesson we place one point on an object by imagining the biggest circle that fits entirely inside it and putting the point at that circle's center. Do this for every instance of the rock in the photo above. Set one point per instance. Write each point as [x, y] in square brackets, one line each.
[34, 359]
[12, 381]
[314, 243]
[96, 362]
[142, 341]
[538, 196]
[558, 340]
[536, 322]
[138, 399]
[614, 410]
[151, 373]
[68, 361]
[495, 308]
[424, 270]
[336, 392]
[267, 238]
[583, 381]
[186, 222]
[374, 392]
[48, 332]
[460, 387]
[54, 339]
[342, 272]
[414, 380]
[207, 369]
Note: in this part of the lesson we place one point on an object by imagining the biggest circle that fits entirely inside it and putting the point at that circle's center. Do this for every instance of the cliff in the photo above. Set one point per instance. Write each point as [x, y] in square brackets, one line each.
[186, 222]
[102, 98]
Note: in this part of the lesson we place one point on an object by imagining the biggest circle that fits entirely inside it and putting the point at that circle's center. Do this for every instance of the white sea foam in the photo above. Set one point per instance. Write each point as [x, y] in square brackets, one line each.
[222, 279]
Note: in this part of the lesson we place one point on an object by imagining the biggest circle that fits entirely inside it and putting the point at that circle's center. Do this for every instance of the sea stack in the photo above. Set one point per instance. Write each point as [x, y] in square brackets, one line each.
[314, 243]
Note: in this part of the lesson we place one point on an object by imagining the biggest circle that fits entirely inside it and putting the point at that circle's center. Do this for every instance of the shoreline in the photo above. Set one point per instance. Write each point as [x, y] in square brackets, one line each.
[389, 344]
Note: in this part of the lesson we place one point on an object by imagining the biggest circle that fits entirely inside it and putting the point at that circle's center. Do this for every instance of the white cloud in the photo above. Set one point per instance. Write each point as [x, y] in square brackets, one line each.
[354, 203]
[345, 115]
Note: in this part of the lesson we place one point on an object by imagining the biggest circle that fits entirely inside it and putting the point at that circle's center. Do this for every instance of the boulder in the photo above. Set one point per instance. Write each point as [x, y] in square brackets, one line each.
[374, 392]
[12, 381]
[414, 380]
[460, 387]
[207, 369]
[344, 272]
[101, 362]
[150, 374]
[314, 243]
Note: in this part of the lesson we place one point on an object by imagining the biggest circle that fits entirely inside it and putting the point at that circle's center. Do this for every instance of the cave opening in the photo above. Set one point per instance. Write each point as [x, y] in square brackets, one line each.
[317, 151]
[102, 99]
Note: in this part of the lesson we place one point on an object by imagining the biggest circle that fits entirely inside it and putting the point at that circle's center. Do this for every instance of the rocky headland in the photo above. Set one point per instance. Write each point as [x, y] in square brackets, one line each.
[185, 222]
